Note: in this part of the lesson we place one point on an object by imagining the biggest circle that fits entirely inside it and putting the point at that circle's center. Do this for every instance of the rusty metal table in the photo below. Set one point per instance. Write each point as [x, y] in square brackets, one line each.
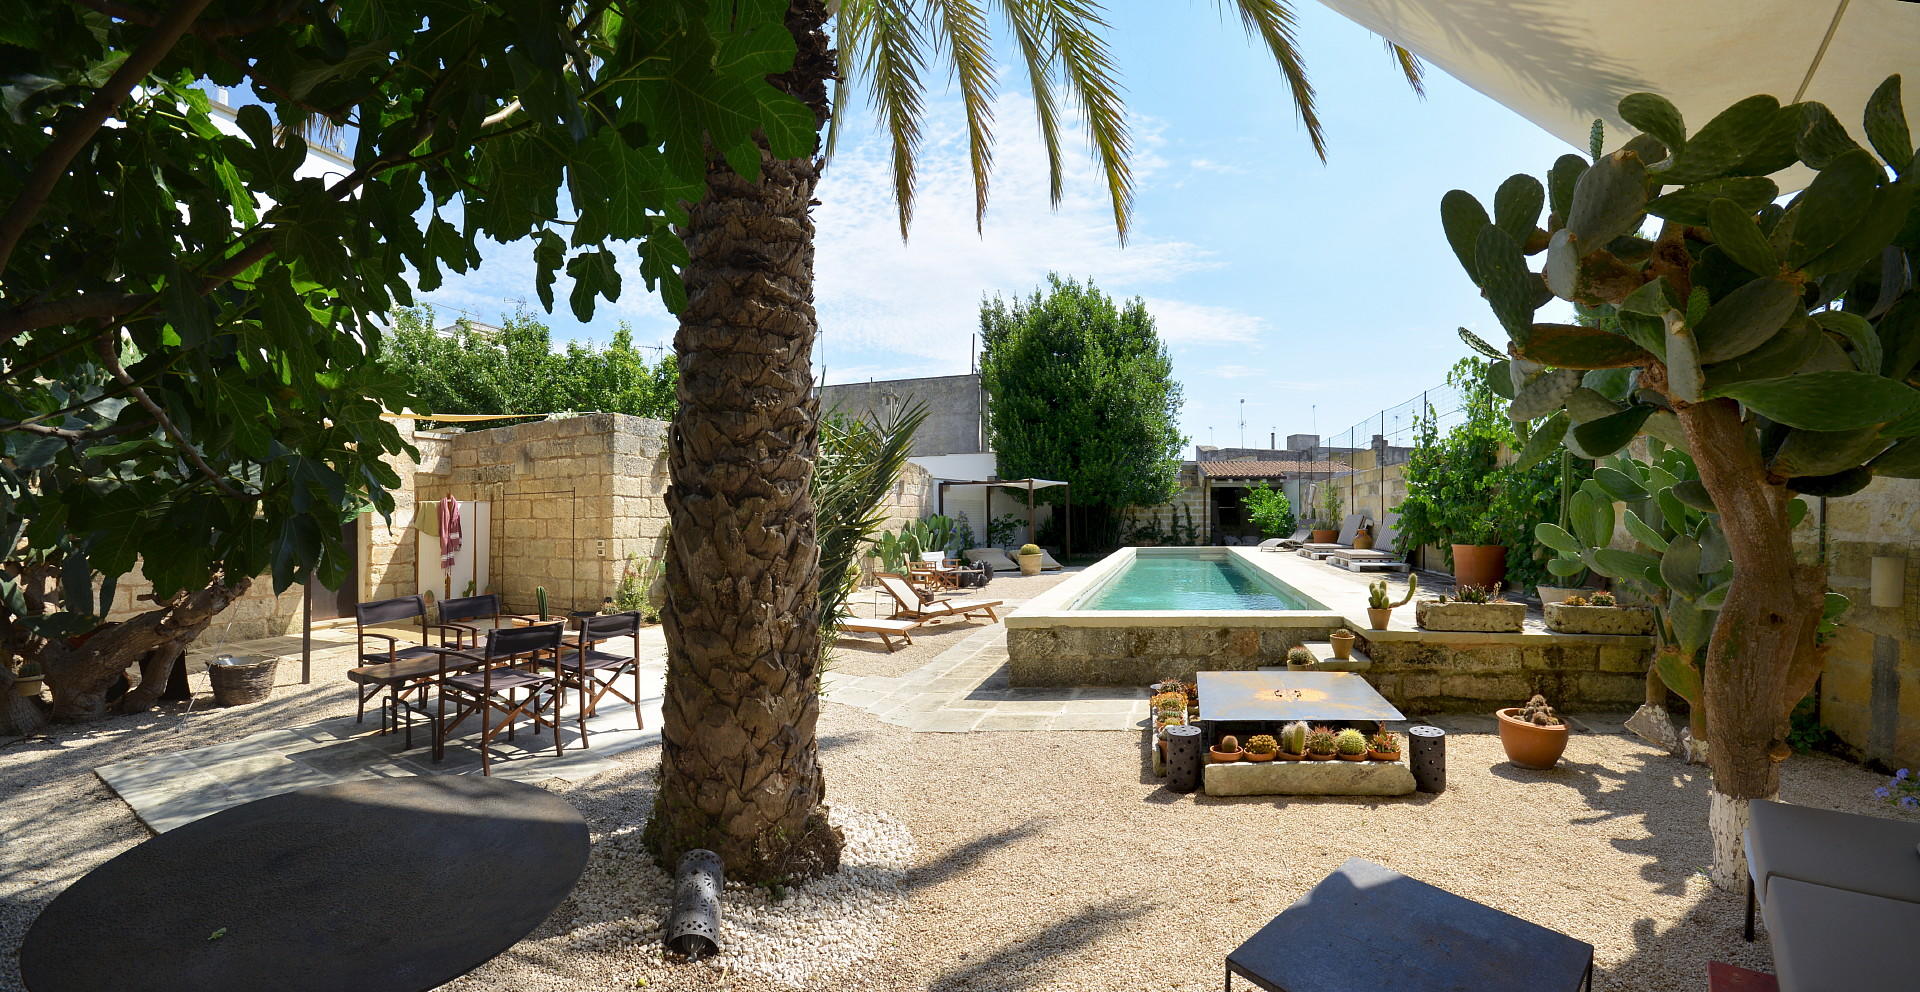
[386, 885]
[1279, 697]
[1369, 927]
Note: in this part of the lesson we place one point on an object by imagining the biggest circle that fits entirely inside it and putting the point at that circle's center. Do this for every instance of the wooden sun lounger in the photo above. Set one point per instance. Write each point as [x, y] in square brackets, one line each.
[911, 607]
[1348, 528]
[887, 629]
[1361, 559]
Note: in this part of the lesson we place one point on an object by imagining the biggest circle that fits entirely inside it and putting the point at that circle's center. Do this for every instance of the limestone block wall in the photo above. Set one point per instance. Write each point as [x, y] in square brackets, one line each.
[389, 549]
[258, 613]
[1189, 506]
[1870, 694]
[1455, 673]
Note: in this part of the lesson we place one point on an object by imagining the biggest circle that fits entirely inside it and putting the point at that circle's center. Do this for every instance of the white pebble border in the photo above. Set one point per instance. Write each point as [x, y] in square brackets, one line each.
[821, 929]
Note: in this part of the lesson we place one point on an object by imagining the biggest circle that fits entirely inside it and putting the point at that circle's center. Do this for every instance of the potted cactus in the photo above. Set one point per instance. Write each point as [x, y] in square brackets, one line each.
[1350, 745]
[1533, 735]
[1227, 751]
[1030, 559]
[1597, 613]
[1472, 608]
[1380, 604]
[1320, 744]
[1299, 658]
[1262, 747]
[1342, 640]
[29, 678]
[1384, 746]
[1293, 741]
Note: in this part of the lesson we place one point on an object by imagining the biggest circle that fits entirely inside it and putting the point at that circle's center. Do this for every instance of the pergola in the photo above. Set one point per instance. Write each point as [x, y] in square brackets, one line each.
[940, 502]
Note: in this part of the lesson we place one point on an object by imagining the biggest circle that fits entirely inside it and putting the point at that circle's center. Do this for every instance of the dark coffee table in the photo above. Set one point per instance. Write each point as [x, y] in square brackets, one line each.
[1366, 927]
[388, 885]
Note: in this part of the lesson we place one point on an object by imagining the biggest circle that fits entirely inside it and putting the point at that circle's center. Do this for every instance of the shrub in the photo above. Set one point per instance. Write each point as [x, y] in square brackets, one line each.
[1269, 510]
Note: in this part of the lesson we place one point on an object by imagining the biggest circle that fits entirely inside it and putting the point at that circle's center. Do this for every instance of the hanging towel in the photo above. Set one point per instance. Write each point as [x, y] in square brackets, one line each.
[449, 532]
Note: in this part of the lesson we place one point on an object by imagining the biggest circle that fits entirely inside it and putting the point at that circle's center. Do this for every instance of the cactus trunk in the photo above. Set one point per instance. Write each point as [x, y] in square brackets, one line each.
[1761, 659]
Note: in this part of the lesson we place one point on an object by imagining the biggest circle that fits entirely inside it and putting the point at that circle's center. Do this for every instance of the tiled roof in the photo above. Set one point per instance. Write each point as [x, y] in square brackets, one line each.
[1248, 469]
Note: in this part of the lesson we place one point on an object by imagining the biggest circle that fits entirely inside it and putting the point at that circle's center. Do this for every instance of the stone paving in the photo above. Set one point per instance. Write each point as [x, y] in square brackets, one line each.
[168, 790]
[964, 689]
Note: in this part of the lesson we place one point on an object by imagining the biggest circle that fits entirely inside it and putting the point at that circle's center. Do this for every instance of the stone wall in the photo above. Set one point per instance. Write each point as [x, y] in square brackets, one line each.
[1426, 672]
[1190, 506]
[954, 423]
[258, 613]
[1870, 694]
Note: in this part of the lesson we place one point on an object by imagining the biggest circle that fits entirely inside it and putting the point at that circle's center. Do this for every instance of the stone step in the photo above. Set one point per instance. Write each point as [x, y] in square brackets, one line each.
[1357, 660]
[1308, 778]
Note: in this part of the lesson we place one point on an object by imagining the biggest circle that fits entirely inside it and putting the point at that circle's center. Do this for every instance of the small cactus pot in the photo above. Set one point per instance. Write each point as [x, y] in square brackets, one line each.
[1030, 564]
[1362, 756]
[1383, 755]
[1530, 745]
[1250, 756]
[1285, 755]
[1342, 641]
[1220, 757]
[1378, 618]
[1320, 757]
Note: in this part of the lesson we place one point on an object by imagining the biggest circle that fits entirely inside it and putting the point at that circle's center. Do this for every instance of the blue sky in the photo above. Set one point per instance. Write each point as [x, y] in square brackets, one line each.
[1318, 294]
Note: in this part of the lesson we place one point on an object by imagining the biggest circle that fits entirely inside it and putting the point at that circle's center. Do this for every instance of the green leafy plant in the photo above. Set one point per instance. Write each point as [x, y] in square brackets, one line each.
[1269, 509]
[1379, 598]
[633, 593]
[1331, 503]
[1350, 742]
[1002, 530]
[1262, 744]
[859, 463]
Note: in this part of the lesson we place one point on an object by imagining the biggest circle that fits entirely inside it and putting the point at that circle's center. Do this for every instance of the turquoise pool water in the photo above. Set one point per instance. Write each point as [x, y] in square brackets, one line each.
[1193, 582]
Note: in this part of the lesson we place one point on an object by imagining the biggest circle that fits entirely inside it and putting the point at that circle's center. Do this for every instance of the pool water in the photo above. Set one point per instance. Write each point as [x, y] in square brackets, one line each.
[1193, 582]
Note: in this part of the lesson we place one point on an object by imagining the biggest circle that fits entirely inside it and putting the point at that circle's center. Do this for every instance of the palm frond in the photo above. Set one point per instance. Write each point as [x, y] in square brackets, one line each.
[1086, 65]
[960, 30]
[858, 464]
[1272, 22]
[880, 42]
[1029, 37]
[1410, 67]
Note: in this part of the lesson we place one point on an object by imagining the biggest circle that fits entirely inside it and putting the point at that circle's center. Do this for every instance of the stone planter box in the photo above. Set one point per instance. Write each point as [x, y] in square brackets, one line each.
[1479, 617]
[1309, 778]
[1598, 619]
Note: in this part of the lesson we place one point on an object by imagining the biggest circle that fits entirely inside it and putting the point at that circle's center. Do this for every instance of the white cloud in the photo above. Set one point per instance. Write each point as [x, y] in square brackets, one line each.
[1222, 168]
[879, 299]
[1180, 322]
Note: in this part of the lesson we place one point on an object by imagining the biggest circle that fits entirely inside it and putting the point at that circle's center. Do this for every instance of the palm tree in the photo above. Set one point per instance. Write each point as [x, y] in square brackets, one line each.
[740, 774]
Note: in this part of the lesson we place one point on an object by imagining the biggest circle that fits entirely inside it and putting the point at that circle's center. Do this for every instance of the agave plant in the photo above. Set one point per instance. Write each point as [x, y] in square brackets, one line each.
[1774, 343]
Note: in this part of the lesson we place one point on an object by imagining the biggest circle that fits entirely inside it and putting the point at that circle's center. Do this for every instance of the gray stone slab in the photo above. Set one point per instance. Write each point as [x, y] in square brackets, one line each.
[1030, 706]
[1018, 722]
[1309, 778]
[945, 721]
[1092, 721]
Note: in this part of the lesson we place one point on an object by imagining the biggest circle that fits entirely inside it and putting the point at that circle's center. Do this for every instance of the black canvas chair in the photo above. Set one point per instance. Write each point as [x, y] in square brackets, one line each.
[403, 672]
[503, 678]
[463, 613]
[591, 668]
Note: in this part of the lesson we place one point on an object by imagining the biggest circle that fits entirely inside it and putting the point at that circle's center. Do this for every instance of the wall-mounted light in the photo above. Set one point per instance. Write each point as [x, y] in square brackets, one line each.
[1887, 585]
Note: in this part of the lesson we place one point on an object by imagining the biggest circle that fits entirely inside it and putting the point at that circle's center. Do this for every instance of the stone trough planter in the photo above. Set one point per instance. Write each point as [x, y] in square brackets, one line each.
[1310, 778]
[1598, 619]
[1489, 618]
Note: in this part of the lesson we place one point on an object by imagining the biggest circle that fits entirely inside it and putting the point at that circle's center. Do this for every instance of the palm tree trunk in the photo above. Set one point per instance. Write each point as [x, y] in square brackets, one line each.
[740, 774]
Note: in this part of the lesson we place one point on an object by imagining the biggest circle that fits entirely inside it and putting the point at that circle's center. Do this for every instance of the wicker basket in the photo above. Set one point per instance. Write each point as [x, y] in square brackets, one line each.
[240, 684]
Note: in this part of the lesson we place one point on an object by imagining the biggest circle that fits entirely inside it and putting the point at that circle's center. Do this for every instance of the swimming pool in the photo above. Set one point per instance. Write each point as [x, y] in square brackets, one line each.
[1191, 579]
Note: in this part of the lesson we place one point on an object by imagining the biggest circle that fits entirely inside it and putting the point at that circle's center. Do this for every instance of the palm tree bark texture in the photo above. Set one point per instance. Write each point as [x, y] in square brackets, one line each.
[740, 772]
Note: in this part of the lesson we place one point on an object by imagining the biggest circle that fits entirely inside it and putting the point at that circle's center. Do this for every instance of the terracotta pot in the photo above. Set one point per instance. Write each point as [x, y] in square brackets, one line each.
[1383, 756]
[1218, 756]
[1342, 645]
[1259, 757]
[1378, 619]
[1029, 564]
[1528, 745]
[1362, 541]
[28, 685]
[1324, 536]
[1479, 564]
[1362, 756]
[1284, 756]
[1320, 757]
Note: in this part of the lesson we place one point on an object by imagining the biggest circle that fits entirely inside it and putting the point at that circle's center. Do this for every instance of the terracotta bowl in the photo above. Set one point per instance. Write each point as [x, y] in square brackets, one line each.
[1528, 745]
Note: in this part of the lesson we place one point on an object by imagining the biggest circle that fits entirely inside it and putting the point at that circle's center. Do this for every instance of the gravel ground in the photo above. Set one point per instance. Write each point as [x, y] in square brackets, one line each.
[1029, 861]
[862, 654]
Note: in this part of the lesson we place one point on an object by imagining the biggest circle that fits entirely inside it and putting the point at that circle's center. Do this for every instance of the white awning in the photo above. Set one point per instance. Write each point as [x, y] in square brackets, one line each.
[1562, 63]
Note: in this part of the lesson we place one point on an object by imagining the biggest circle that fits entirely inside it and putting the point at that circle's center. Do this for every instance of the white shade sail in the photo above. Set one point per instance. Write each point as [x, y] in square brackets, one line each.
[1562, 63]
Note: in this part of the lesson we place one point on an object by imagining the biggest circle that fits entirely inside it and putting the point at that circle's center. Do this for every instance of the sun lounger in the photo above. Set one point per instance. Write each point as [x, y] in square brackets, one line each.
[1285, 543]
[1380, 556]
[1047, 564]
[1348, 528]
[993, 558]
[887, 629]
[912, 607]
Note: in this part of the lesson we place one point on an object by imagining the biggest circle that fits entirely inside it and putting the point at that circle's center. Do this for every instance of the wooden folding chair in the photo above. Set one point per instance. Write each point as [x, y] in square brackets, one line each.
[587, 659]
[490, 681]
[398, 671]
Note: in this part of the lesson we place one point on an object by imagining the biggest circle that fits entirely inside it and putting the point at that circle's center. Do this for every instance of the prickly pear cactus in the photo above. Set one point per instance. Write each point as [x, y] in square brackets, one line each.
[1804, 313]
